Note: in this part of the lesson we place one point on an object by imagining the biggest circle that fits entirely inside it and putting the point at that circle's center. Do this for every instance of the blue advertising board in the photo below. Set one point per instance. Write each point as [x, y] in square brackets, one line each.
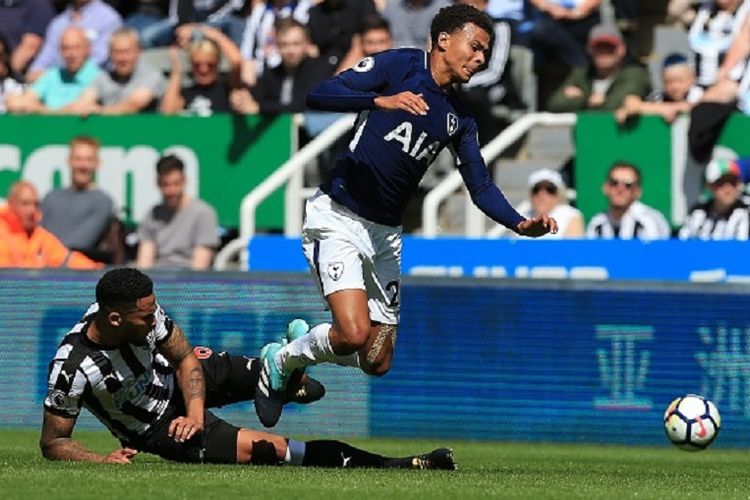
[500, 359]
[524, 258]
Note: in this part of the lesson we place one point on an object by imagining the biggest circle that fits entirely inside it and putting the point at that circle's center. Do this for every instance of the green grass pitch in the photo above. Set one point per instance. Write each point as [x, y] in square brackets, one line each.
[493, 469]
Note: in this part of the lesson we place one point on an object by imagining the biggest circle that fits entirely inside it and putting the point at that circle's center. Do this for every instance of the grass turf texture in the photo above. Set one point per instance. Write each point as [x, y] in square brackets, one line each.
[499, 470]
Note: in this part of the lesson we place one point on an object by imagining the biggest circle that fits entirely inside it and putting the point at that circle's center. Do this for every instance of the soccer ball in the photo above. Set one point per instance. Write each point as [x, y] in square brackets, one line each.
[692, 422]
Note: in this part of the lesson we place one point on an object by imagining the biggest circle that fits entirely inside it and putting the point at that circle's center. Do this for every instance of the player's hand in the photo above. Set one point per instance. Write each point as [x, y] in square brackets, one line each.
[670, 113]
[571, 92]
[596, 100]
[621, 115]
[174, 58]
[121, 456]
[184, 33]
[242, 102]
[404, 101]
[538, 226]
[184, 428]
[557, 12]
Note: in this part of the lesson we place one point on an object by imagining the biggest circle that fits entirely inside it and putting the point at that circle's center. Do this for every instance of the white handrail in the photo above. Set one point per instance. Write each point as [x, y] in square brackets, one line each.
[493, 149]
[263, 190]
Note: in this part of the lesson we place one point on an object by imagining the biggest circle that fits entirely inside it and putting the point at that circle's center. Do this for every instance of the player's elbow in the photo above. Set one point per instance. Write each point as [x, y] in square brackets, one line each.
[312, 100]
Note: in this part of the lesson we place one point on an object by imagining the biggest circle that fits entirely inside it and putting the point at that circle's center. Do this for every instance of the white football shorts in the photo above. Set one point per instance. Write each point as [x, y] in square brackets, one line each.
[347, 252]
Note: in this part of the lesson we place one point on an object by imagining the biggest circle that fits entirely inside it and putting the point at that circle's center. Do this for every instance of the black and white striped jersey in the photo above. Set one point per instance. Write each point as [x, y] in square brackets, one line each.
[710, 36]
[640, 221]
[127, 388]
[704, 223]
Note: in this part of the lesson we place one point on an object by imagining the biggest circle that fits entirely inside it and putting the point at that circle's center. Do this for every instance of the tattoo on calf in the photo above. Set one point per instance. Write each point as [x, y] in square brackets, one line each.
[384, 333]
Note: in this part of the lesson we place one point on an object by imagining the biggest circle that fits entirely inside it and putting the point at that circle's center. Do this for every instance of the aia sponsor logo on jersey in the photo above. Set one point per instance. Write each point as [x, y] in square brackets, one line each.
[416, 147]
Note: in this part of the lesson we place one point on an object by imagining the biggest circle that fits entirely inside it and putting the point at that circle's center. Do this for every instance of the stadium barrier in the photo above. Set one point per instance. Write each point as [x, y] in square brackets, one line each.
[675, 260]
[521, 360]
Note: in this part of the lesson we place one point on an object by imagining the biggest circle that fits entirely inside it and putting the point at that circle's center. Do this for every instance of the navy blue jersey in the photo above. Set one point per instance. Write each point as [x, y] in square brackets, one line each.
[391, 150]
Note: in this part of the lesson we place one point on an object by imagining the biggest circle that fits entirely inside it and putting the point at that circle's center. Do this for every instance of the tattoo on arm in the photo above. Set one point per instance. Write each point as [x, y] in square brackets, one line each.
[176, 347]
[57, 444]
[196, 384]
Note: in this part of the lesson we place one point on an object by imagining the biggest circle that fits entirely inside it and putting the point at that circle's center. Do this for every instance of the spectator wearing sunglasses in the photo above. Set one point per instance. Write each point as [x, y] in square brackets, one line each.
[626, 216]
[547, 196]
[210, 90]
[724, 216]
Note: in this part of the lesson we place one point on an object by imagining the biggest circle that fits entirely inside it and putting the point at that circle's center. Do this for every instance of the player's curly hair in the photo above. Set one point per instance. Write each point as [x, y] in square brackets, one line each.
[124, 285]
[453, 17]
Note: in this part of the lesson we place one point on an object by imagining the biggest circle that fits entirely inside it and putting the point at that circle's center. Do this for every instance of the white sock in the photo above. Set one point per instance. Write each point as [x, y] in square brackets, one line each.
[311, 349]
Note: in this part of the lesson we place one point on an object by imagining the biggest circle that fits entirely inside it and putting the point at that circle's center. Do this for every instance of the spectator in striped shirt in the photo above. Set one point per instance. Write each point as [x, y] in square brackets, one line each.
[626, 216]
[724, 216]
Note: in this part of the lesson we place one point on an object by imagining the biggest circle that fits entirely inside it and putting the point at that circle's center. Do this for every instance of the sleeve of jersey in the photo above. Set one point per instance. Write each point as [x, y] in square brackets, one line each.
[356, 89]
[64, 389]
[164, 326]
[483, 191]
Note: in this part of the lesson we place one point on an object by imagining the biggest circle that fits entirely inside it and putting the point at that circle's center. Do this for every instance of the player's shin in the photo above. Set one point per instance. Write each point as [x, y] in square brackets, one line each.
[330, 453]
[312, 349]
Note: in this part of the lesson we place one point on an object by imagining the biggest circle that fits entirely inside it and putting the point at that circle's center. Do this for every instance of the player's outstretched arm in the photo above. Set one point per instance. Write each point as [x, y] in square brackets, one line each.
[360, 88]
[403, 101]
[56, 443]
[537, 226]
[189, 373]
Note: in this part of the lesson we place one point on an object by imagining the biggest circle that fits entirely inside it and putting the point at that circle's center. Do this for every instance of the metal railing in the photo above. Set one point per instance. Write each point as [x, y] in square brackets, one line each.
[474, 218]
[292, 171]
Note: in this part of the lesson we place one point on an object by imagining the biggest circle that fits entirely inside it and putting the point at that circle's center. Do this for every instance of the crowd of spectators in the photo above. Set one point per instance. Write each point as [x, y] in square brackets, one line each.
[35, 36]
[85, 57]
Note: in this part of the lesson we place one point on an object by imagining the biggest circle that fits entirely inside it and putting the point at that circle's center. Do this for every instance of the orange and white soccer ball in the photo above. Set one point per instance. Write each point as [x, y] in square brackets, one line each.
[692, 422]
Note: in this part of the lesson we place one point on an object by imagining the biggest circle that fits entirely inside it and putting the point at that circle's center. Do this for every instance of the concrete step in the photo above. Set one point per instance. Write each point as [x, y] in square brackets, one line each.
[550, 142]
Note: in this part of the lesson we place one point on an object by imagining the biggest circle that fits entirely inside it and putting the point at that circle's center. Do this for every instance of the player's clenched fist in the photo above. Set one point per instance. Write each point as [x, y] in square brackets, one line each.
[405, 101]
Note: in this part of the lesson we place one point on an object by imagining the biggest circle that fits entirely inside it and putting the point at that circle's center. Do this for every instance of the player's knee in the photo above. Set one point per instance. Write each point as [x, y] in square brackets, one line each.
[264, 453]
[377, 368]
[353, 335]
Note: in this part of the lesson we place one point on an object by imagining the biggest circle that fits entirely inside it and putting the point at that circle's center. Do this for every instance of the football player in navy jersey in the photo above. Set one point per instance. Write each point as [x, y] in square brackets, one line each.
[352, 231]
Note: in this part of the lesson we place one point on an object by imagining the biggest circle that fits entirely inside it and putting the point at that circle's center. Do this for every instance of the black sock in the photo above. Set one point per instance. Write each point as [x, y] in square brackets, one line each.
[328, 453]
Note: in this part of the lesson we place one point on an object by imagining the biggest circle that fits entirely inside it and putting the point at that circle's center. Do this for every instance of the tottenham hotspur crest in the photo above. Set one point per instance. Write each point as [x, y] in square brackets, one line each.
[335, 270]
[452, 123]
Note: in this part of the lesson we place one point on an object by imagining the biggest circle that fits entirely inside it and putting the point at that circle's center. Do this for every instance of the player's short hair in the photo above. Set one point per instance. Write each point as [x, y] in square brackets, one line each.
[169, 163]
[674, 59]
[126, 32]
[124, 285]
[284, 24]
[204, 45]
[15, 189]
[84, 139]
[454, 17]
[625, 164]
[374, 22]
